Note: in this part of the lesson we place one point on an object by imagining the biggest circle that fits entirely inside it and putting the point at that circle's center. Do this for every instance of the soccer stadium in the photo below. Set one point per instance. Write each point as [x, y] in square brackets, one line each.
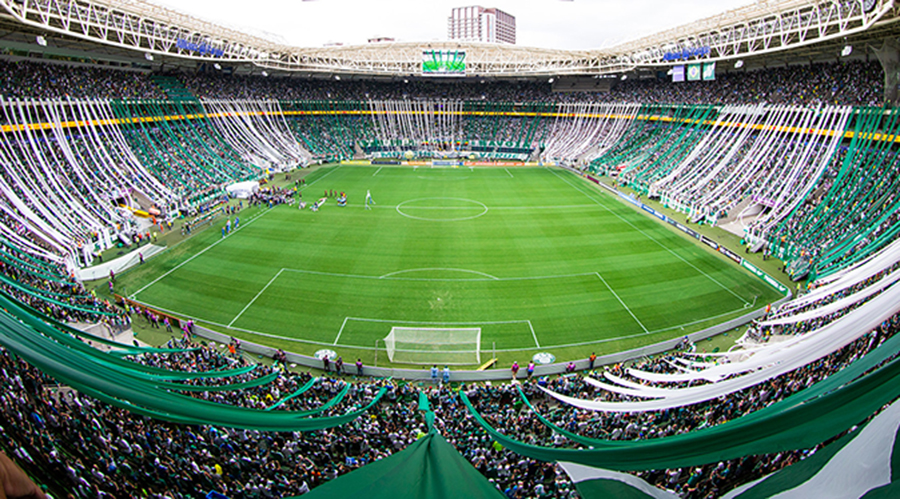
[233, 267]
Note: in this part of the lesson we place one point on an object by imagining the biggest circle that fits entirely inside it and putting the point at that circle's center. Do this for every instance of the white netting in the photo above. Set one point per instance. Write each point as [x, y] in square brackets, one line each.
[444, 346]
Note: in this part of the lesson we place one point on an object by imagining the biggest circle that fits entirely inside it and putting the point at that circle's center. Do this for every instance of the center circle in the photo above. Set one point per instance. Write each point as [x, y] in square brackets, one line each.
[441, 209]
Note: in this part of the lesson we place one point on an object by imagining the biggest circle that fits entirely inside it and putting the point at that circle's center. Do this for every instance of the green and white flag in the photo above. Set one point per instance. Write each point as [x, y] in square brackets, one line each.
[599, 483]
[863, 463]
[693, 72]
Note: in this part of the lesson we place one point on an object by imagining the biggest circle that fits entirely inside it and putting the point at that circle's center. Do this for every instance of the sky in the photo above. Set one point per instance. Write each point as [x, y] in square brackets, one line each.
[575, 24]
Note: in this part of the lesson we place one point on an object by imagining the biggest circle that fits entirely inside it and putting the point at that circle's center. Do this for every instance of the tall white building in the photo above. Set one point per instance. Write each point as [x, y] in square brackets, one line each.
[478, 24]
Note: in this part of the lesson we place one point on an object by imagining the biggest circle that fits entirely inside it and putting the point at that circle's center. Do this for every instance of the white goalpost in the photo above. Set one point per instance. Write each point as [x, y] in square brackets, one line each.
[444, 346]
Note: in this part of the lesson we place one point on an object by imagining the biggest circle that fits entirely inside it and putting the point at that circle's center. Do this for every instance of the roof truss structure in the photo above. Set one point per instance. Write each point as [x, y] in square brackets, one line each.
[761, 28]
[764, 27]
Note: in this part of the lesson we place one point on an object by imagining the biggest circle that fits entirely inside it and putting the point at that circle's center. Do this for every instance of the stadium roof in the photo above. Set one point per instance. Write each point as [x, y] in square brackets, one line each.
[765, 27]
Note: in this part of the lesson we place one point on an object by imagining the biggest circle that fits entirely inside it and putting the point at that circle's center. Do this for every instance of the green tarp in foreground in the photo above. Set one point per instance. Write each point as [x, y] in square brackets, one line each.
[430, 468]
[862, 463]
[89, 372]
[794, 423]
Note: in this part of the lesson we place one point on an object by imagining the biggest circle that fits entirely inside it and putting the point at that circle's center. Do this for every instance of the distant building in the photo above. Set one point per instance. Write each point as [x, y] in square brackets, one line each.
[478, 24]
[381, 39]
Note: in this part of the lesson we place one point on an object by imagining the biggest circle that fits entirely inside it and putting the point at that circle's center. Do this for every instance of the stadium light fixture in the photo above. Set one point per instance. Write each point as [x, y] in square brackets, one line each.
[41, 41]
[265, 73]
[405, 80]
[337, 77]
[670, 72]
[148, 56]
[624, 77]
[848, 49]
[550, 80]
[739, 64]
[217, 66]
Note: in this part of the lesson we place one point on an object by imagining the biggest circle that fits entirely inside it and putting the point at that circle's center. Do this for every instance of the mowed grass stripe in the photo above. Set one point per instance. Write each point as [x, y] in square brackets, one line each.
[663, 285]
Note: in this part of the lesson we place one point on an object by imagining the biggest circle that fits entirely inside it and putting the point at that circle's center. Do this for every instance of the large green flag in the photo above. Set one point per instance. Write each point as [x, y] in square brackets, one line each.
[862, 463]
[430, 468]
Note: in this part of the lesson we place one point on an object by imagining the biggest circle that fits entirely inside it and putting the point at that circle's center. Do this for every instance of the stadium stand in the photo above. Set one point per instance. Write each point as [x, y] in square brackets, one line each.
[853, 83]
[825, 204]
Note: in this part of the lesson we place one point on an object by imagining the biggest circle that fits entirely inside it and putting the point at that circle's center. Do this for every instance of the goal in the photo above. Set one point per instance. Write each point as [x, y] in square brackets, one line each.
[450, 346]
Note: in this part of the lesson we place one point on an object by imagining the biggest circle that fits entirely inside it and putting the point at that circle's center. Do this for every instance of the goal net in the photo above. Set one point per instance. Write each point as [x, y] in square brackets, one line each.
[451, 346]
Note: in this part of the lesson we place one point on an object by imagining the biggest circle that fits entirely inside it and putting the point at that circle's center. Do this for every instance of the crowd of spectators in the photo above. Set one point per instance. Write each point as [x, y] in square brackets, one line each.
[332, 138]
[89, 449]
[34, 80]
[860, 201]
[810, 324]
[46, 286]
[80, 446]
[854, 83]
[858, 83]
[187, 158]
[711, 480]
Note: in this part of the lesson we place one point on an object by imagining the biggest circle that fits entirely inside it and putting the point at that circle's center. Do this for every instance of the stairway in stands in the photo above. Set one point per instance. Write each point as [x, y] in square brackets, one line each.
[173, 88]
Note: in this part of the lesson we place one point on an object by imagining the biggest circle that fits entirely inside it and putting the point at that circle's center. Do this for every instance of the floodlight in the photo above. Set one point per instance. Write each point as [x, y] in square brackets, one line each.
[148, 56]
[847, 50]
[42, 41]
[739, 64]
[217, 66]
[550, 80]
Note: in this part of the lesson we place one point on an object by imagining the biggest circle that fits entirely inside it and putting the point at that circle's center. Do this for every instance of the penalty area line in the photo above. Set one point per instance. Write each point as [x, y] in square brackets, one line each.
[261, 291]
[622, 302]
[378, 170]
[533, 335]
[340, 331]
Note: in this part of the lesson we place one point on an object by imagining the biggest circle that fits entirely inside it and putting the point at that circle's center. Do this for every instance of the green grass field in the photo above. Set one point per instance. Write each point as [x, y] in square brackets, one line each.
[537, 258]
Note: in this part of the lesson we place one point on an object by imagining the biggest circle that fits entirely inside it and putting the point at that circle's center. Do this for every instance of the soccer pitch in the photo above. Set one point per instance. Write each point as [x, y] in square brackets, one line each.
[537, 258]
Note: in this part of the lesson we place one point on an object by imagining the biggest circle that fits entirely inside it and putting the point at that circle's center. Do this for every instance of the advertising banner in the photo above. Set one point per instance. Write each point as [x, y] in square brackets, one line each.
[765, 277]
